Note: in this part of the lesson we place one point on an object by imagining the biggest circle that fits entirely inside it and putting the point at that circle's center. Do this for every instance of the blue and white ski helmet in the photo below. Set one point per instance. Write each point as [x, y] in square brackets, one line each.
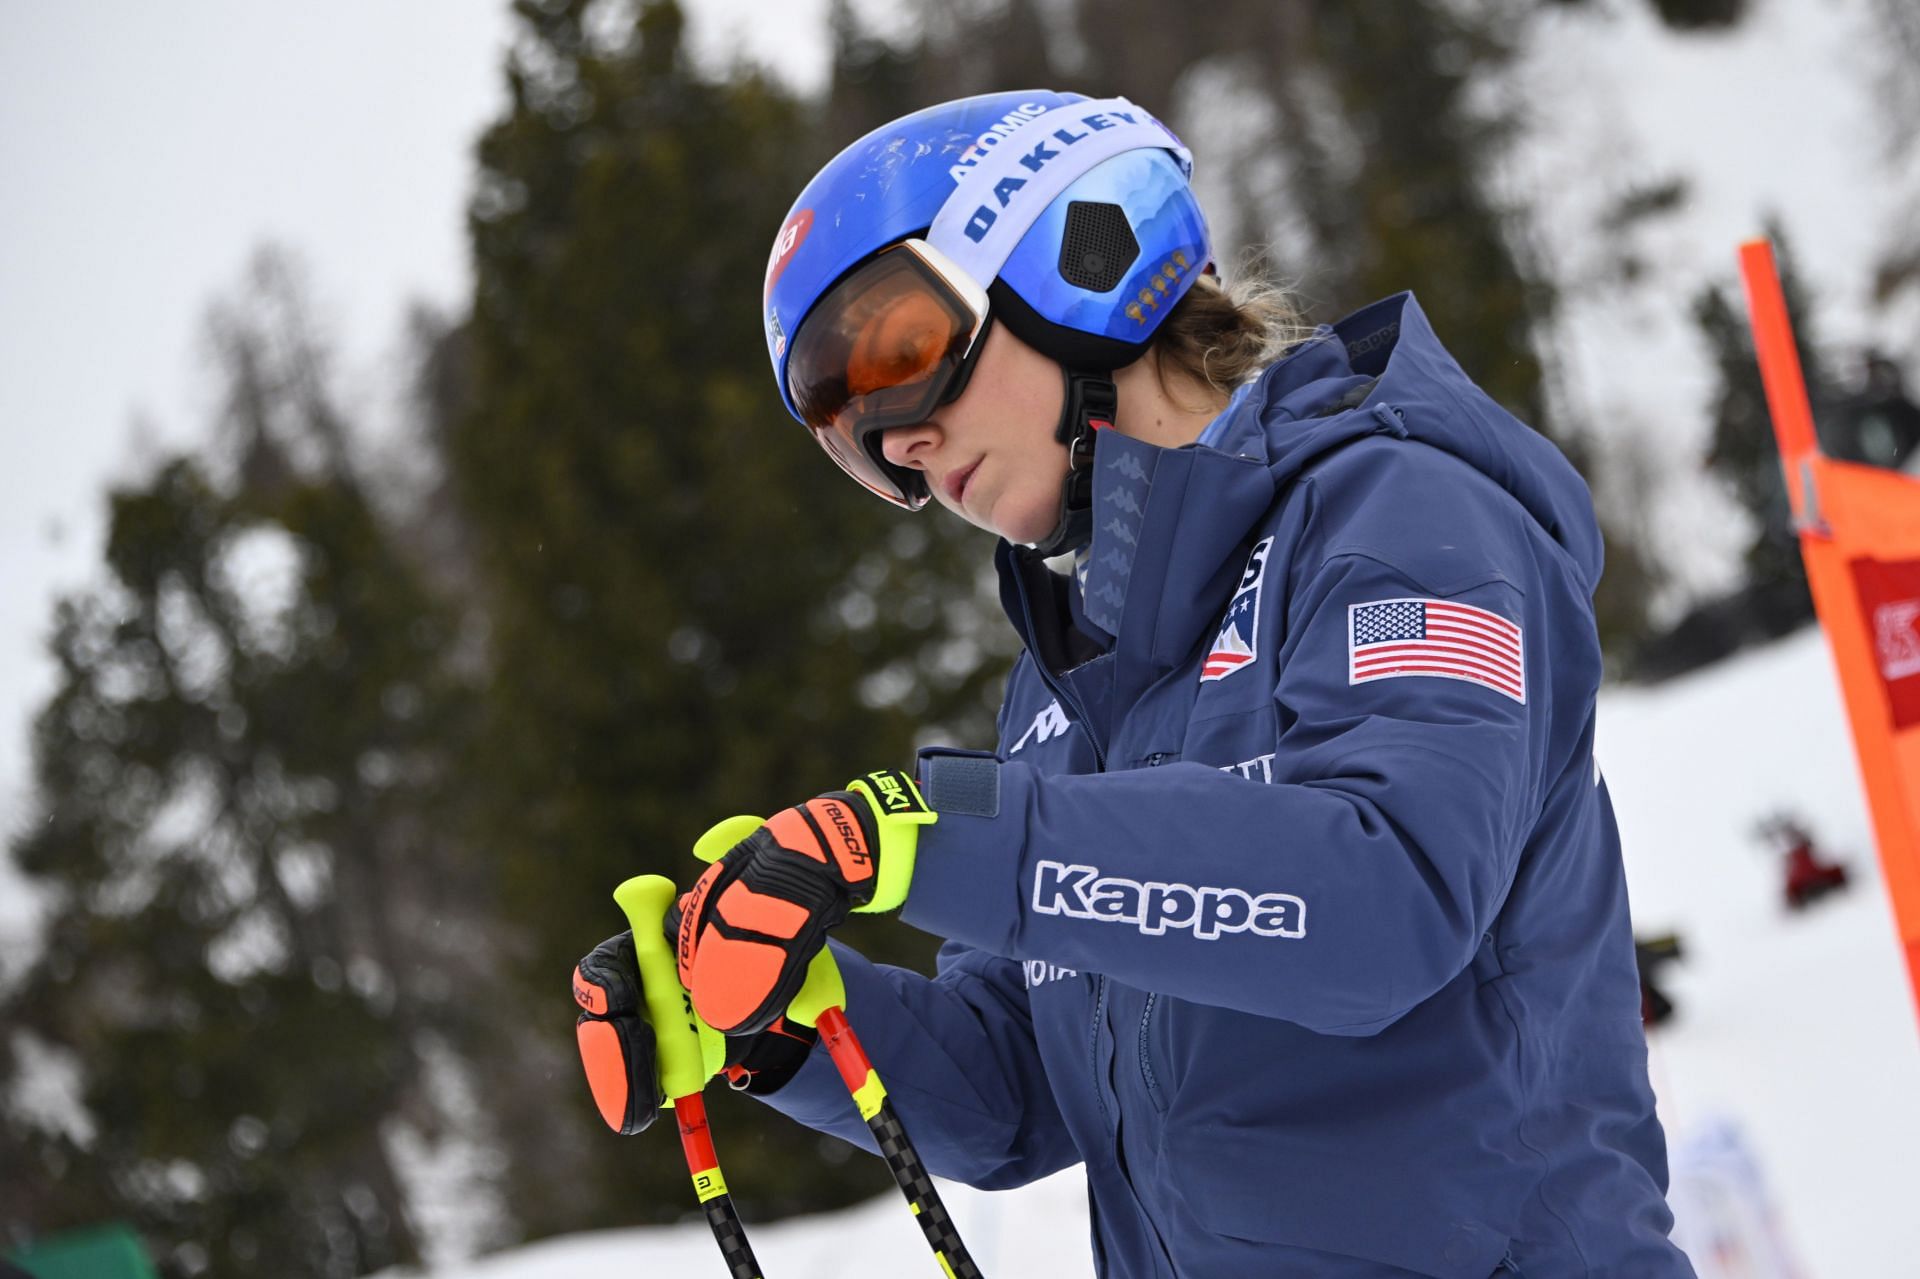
[1075, 216]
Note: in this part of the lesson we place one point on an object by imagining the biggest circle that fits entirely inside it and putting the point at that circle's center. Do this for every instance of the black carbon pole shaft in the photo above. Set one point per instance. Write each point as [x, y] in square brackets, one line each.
[903, 1161]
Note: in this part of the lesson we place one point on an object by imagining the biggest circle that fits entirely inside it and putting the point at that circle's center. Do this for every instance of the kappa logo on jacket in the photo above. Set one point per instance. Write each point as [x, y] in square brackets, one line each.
[1238, 642]
[1082, 892]
[1049, 723]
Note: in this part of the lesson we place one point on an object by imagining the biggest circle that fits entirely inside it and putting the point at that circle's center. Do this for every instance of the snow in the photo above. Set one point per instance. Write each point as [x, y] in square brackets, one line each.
[1038, 1230]
[450, 1173]
[1801, 1027]
[1795, 1032]
[48, 1091]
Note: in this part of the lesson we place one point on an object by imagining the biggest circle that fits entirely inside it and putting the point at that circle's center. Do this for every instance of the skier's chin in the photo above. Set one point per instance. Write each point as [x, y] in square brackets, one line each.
[1023, 518]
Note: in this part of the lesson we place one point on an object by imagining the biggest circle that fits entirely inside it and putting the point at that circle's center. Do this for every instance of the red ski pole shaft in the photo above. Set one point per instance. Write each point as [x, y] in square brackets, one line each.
[857, 1072]
[691, 1113]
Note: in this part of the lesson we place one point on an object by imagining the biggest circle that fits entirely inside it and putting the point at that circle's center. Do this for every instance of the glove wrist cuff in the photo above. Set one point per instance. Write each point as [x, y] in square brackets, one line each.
[899, 812]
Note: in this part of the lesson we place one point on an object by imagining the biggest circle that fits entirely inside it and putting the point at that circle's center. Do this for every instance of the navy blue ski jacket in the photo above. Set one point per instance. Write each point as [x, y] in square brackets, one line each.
[1291, 902]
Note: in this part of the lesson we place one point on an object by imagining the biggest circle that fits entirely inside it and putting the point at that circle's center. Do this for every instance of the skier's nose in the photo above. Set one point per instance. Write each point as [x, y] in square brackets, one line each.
[910, 446]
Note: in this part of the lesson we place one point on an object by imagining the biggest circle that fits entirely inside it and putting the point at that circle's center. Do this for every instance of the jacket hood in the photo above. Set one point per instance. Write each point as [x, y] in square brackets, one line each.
[1422, 394]
[1171, 527]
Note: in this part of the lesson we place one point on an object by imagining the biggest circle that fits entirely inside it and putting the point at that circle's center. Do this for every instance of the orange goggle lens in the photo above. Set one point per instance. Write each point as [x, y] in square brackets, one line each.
[884, 348]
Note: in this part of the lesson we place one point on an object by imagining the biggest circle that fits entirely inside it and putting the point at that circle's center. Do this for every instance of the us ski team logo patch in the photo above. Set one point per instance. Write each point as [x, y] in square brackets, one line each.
[1238, 642]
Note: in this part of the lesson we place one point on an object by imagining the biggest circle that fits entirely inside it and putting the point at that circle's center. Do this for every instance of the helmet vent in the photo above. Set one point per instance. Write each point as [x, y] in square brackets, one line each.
[1098, 246]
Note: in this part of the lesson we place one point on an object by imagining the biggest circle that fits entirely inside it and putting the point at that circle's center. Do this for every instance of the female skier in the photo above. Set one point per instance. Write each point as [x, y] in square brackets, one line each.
[1290, 904]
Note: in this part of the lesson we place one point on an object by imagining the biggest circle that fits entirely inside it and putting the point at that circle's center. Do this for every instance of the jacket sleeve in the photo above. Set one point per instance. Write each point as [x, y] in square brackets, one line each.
[1338, 896]
[957, 1056]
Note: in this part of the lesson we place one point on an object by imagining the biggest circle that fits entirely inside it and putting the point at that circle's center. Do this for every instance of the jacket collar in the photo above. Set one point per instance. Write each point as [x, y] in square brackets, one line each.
[1167, 524]
[1173, 527]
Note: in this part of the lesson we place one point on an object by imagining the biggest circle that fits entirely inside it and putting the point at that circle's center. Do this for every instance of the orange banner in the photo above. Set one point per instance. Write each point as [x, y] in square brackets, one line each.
[1860, 535]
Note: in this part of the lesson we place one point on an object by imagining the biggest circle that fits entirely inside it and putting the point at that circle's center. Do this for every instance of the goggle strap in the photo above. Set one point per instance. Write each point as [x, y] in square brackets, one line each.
[969, 361]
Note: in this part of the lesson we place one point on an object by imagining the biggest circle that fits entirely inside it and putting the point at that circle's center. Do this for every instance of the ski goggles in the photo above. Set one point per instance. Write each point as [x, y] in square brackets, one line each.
[886, 346]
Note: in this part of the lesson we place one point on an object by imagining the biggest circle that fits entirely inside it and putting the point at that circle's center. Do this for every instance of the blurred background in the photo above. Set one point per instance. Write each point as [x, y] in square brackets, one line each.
[403, 543]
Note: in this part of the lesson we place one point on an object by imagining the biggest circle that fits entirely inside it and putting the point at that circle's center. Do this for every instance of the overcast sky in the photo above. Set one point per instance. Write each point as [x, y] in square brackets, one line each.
[145, 150]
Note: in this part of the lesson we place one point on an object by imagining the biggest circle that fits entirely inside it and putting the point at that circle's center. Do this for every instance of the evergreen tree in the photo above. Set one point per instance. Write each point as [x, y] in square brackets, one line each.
[1896, 26]
[257, 942]
[690, 612]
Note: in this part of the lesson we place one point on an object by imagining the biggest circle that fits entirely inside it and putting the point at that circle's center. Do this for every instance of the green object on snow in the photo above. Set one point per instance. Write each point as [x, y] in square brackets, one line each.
[97, 1252]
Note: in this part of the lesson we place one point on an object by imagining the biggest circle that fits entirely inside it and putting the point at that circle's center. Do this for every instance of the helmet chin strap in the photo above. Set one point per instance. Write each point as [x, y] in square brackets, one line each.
[1091, 401]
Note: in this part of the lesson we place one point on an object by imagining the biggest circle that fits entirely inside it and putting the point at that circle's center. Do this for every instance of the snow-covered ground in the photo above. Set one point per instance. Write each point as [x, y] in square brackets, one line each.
[1798, 1029]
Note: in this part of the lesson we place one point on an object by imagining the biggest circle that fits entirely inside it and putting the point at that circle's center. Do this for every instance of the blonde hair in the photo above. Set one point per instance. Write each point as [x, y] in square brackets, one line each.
[1219, 336]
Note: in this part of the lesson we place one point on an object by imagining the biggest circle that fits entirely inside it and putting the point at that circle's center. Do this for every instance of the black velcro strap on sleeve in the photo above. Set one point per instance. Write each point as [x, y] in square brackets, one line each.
[966, 783]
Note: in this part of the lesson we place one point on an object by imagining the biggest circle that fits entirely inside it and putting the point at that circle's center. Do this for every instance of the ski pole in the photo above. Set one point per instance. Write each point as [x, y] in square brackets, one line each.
[681, 1041]
[903, 1161]
[821, 1004]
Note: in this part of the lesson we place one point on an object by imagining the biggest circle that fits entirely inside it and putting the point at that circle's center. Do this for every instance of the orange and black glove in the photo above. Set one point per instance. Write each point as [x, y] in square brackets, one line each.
[749, 927]
[617, 1045]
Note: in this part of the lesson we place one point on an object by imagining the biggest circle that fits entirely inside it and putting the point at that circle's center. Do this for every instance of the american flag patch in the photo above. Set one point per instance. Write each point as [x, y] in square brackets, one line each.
[1390, 639]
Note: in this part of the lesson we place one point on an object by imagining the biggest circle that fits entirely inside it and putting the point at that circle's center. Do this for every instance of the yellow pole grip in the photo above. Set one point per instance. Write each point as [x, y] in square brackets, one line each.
[688, 1051]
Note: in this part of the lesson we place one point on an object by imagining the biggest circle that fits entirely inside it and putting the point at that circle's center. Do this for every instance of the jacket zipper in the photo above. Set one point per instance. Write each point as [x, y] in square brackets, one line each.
[1146, 1063]
[1093, 1044]
[1079, 711]
[1147, 1076]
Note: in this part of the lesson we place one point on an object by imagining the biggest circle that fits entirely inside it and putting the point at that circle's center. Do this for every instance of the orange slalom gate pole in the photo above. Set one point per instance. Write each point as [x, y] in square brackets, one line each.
[1779, 357]
[1859, 532]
